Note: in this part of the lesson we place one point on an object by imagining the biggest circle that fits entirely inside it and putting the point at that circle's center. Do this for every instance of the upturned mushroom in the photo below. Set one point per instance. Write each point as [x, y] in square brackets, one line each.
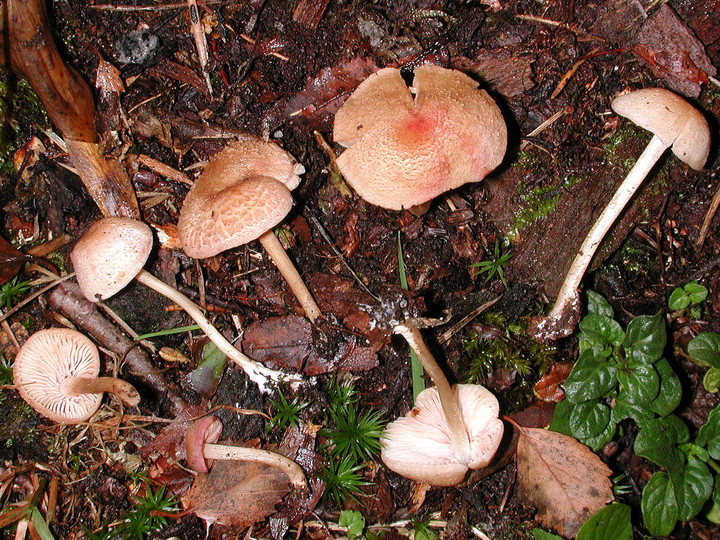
[674, 124]
[201, 450]
[406, 146]
[243, 192]
[57, 372]
[113, 252]
[449, 431]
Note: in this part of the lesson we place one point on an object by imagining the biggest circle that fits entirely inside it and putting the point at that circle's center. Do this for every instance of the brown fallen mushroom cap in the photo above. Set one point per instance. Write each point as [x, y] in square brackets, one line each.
[670, 118]
[56, 373]
[406, 149]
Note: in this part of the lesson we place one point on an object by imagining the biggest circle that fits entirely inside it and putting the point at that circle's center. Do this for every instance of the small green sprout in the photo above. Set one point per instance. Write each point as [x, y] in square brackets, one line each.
[496, 265]
[147, 516]
[288, 412]
[11, 291]
[687, 299]
[354, 435]
[342, 480]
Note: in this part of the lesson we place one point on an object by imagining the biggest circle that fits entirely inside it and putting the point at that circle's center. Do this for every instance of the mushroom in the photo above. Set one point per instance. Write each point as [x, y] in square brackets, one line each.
[113, 251]
[674, 124]
[200, 450]
[56, 373]
[449, 430]
[406, 145]
[243, 192]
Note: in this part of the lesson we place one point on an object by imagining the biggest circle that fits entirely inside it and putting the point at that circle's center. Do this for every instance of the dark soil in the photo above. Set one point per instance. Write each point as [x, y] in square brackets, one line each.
[283, 78]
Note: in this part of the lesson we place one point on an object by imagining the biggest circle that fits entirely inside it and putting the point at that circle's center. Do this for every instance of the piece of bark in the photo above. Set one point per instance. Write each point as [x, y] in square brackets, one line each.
[69, 300]
[69, 103]
[308, 13]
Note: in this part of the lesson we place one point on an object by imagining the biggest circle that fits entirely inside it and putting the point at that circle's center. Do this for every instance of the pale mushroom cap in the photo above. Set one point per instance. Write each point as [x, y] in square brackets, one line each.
[233, 216]
[406, 151]
[109, 255]
[47, 359]
[418, 445]
[672, 119]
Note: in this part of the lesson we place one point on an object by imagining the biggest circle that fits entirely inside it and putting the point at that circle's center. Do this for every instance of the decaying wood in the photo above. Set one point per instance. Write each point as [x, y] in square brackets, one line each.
[68, 300]
[69, 103]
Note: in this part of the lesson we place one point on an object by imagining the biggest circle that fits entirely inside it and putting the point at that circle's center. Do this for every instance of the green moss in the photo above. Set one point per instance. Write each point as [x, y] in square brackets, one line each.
[536, 204]
[617, 139]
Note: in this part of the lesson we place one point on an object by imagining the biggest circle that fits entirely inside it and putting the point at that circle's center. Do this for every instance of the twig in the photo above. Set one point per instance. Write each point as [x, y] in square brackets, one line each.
[569, 74]
[198, 33]
[33, 296]
[709, 215]
[543, 126]
[442, 338]
[165, 170]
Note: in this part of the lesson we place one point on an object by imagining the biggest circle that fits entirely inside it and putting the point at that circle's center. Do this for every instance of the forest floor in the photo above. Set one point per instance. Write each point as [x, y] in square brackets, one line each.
[280, 70]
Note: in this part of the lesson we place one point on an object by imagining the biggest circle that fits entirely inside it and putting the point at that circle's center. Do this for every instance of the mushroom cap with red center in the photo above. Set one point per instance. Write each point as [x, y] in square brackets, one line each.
[243, 192]
[48, 359]
[418, 445]
[109, 255]
[670, 118]
[405, 149]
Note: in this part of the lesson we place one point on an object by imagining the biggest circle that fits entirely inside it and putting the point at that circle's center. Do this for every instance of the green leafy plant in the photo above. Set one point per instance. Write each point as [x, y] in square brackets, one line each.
[148, 516]
[613, 521]
[287, 412]
[421, 529]
[354, 434]
[342, 480]
[621, 374]
[11, 291]
[353, 521]
[704, 349]
[6, 372]
[493, 266]
[687, 300]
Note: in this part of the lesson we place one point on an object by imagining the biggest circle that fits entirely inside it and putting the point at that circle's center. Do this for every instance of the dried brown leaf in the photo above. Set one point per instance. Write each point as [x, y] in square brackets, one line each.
[11, 260]
[237, 493]
[562, 478]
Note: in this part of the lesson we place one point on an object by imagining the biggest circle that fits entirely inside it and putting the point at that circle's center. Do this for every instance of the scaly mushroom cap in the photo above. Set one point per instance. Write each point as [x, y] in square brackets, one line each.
[405, 151]
[243, 192]
[418, 445]
[109, 255]
[672, 119]
[232, 216]
[48, 359]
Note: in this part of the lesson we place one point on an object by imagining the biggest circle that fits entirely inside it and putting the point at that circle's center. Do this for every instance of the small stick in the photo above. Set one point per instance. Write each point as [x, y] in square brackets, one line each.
[712, 210]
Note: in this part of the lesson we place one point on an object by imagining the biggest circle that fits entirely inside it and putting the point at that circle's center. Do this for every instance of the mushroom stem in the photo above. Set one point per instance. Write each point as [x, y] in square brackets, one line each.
[567, 296]
[99, 385]
[280, 257]
[446, 393]
[258, 373]
[240, 453]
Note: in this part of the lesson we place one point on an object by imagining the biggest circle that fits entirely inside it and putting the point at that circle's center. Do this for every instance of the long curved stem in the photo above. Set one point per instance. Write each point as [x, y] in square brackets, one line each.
[99, 385]
[280, 257]
[258, 373]
[288, 466]
[567, 296]
[448, 397]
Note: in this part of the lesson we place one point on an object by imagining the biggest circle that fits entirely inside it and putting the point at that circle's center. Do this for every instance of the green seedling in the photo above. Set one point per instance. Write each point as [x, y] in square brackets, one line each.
[6, 371]
[704, 349]
[343, 480]
[11, 291]
[287, 412]
[354, 523]
[169, 332]
[421, 529]
[148, 516]
[354, 435]
[686, 300]
[496, 265]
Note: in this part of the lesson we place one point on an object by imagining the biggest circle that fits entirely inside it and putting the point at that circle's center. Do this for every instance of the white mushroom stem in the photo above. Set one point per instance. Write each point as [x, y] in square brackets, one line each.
[99, 385]
[258, 373]
[567, 295]
[288, 466]
[280, 257]
[448, 396]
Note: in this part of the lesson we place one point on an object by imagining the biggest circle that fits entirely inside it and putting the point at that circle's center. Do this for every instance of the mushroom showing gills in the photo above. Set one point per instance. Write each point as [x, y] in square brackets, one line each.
[243, 192]
[56, 373]
[674, 123]
[447, 432]
[200, 449]
[113, 251]
[409, 145]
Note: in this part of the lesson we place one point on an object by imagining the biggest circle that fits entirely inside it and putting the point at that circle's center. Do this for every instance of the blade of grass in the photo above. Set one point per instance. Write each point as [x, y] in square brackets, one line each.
[416, 369]
[169, 332]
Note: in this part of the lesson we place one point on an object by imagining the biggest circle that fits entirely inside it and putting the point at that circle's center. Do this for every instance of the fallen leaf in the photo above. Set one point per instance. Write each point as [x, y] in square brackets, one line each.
[237, 493]
[548, 387]
[562, 478]
[11, 260]
[279, 342]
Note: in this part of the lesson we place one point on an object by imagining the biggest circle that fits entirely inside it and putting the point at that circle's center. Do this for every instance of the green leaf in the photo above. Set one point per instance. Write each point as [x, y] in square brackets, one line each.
[539, 534]
[659, 507]
[711, 380]
[598, 305]
[645, 339]
[695, 490]
[639, 384]
[637, 412]
[353, 521]
[561, 417]
[589, 419]
[40, 526]
[705, 348]
[658, 441]
[592, 377]
[678, 300]
[696, 292]
[598, 441]
[670, 394]
[601, 330]
[613, 521]
[709, 434]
